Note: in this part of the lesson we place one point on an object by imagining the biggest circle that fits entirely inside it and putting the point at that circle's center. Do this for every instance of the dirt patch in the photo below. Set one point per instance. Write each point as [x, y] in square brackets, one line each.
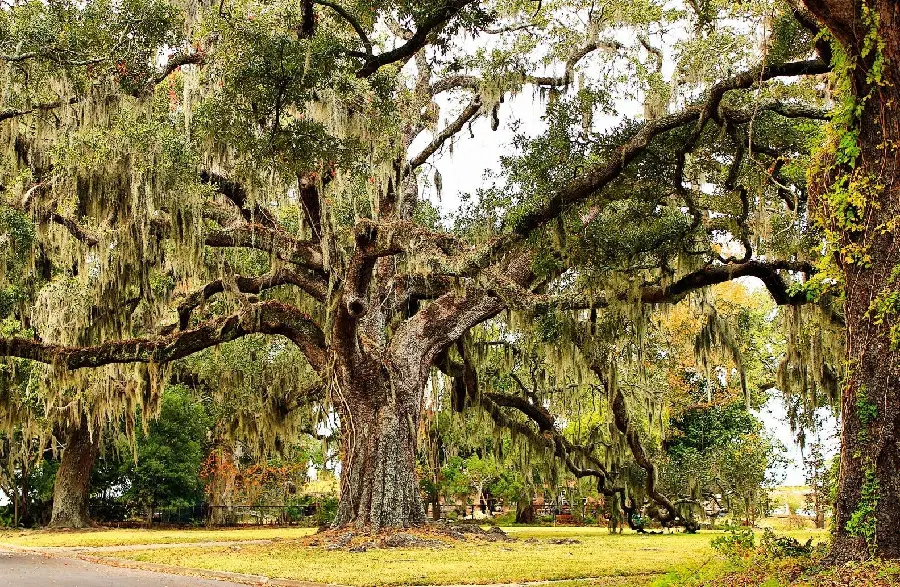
[363, 541]
[437, 535]
[563, 541]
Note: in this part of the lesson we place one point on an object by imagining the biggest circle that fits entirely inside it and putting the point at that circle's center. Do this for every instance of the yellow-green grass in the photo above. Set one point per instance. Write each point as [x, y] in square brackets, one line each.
[628, 559]
[117, 537]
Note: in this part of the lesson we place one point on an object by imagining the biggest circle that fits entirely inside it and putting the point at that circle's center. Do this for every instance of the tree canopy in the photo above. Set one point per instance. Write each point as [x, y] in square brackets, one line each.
[239, 195]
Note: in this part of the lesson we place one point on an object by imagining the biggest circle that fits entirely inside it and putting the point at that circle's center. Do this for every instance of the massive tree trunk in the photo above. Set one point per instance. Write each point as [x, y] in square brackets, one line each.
[71, 490]
[868, 502]
[379, 485]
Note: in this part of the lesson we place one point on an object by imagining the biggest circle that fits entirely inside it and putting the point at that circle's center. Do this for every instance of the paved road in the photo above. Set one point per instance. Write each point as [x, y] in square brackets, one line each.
[34, 570]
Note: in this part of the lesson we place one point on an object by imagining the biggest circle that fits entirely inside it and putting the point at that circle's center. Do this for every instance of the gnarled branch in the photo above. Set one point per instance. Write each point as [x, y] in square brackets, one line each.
[236, 193]
[418, 39]
[275, 242]
[264, 317]
[249, 285]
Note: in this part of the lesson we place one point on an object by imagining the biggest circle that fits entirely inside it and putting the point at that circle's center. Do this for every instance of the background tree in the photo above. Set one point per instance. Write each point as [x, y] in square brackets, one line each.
[821, 478]
[165, 470]
[722, 454]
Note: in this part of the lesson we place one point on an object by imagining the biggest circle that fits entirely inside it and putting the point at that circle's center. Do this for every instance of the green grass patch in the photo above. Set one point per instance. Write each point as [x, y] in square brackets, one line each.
[116, 537]
[628, 559]
[599, 560]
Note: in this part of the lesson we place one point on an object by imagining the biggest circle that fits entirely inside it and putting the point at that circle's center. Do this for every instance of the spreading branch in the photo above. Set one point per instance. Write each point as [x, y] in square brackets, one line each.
[263, 317]
[566, 78]
[418, 39]
[469, 113]
[275, 242]
[249, 285]
[236, 193]
[141, 90]
[766, 271]
[598, 177]
[46, 106]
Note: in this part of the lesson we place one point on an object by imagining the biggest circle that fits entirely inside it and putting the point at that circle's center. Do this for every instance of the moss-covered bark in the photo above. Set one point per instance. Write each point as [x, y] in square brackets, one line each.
[72, 487]
[861, 207]
[379, 485]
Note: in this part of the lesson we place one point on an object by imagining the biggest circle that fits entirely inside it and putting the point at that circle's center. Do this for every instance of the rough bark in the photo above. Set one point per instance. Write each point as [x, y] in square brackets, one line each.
[71, 490]
[868, 501]
[379, 485]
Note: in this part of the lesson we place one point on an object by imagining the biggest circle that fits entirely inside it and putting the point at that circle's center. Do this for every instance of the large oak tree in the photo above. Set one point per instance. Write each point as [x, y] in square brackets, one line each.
[201, 173]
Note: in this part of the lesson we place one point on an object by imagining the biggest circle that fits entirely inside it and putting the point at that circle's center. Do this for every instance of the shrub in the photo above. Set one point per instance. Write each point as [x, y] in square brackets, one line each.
[775, 546]
[737, 543]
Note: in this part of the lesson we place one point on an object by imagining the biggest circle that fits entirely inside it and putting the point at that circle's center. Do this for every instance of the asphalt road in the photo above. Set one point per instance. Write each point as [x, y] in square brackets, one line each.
[34, 570]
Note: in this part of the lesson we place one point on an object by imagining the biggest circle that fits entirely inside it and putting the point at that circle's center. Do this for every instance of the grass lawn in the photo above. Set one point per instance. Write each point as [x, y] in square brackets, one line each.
[113, 537]
[620, 560]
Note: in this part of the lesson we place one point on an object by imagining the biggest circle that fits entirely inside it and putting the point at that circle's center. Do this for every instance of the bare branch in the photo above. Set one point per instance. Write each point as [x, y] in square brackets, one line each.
[572, 62]
[469, 113]
[363, 37]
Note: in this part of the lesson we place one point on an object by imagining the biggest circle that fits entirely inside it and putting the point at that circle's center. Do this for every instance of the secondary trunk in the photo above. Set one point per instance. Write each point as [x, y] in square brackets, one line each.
[524, 511]
[71, 490]
[868, 501]
[379, 485]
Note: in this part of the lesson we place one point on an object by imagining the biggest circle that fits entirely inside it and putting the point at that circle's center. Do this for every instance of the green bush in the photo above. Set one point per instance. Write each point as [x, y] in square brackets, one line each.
[737, 543]
[774, 546]
[326, 511]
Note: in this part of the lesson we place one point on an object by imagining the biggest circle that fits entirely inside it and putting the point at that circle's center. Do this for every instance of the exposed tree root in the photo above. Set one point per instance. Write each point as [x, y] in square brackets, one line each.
[436, 535]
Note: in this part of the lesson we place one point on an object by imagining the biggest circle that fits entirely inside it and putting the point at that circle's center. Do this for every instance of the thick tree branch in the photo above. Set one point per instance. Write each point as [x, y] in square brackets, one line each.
[633, 438]
[841, 18]
[418, 40]
[598, 177]
[275, 242]
[249, 285]
[236, 193]
[766, 271]
[174, 62]
[376, 240]
[263, 318]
